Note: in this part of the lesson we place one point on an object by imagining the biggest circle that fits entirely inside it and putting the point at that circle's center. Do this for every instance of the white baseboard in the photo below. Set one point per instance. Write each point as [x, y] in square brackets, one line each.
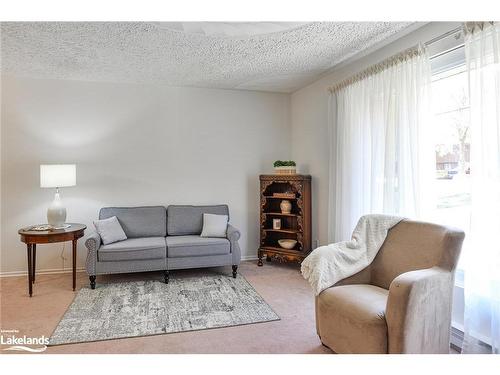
[69, 270]
[40, 272]
[250, 257]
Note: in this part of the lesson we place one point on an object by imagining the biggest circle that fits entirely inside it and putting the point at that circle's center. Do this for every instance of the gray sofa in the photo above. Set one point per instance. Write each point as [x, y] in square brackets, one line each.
[161, 239]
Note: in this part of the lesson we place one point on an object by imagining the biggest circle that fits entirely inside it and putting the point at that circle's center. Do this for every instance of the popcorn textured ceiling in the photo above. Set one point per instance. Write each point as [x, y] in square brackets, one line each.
[252, 56]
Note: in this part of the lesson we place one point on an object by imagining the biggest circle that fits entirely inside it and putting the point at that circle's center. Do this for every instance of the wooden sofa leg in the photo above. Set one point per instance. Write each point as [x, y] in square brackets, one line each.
[235, 270]
[166, 275]
[92, 282]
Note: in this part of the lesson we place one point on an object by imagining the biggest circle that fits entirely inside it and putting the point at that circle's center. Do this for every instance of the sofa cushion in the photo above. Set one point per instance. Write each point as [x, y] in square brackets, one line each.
[139, 221]
[214, 226]
[188, 220]
[110, 230]
[134, 249]
[351, 318]
[192, 246]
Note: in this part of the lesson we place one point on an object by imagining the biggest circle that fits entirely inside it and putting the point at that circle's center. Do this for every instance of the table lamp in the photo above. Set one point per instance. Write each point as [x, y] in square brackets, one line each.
[57, 176]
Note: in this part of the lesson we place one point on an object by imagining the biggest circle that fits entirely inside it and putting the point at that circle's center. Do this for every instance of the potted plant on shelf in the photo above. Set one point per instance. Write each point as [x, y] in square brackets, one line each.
[284, 167]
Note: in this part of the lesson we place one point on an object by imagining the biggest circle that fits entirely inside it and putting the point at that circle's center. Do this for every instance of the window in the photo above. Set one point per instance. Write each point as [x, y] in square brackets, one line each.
[451, 129]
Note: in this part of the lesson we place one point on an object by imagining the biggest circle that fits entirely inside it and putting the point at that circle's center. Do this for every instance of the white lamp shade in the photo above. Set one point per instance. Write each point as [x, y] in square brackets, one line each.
[57, 175]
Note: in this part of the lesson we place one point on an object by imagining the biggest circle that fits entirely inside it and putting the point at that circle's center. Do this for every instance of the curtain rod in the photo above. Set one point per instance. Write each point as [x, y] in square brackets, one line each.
[456, 30]
[391, 61]
[445, 35]
[381, 66]
[471, 27]
[466, 28]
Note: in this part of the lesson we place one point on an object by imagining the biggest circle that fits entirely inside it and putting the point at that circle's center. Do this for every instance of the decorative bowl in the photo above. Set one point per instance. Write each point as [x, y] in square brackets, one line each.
[285, 170]
[287, 244]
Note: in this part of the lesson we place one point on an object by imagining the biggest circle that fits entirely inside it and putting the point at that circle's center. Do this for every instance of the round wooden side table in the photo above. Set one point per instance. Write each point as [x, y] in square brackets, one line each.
[32, 237]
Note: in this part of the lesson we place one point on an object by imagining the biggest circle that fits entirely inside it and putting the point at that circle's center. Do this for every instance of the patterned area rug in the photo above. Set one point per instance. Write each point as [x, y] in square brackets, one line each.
[144, 308]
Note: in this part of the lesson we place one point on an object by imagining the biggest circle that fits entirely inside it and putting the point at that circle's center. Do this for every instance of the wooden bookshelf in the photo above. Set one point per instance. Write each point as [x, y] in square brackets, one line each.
[294, 225]
[271, 197]
[278, 214]
[282, 230]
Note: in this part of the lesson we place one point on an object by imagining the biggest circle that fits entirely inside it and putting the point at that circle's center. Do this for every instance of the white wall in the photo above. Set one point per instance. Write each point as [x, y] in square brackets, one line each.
[309, 119]
[133, 145]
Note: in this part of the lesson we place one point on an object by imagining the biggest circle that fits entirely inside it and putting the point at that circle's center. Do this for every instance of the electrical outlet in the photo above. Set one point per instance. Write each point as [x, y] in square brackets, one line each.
[316, 243]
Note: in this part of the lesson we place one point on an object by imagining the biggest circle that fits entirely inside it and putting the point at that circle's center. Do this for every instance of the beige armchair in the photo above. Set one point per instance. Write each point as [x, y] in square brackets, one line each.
[401, 303]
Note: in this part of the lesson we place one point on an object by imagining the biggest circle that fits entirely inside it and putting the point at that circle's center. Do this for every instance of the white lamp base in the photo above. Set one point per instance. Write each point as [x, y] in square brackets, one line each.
[56, 213]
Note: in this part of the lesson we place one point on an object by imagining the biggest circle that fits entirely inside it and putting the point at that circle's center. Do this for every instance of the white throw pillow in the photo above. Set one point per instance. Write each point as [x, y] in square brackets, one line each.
[214, 225]
[110, 230]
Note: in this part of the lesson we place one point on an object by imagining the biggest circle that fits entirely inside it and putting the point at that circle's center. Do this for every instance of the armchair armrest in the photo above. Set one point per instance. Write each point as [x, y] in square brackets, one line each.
[233, 235]
[93, 243]
[418, 312]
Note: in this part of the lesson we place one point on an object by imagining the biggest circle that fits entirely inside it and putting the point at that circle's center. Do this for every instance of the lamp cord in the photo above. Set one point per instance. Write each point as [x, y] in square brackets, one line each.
[62, 255]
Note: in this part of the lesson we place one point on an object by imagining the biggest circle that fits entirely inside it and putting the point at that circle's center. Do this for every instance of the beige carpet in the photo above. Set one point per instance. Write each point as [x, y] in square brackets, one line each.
[281, 286]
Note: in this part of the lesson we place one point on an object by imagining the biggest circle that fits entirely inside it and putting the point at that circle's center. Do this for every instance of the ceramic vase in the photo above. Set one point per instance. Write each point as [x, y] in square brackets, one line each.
[286, 206]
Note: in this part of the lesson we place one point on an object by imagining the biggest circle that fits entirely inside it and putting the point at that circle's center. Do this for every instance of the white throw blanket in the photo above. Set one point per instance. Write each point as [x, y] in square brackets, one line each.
[327, 265]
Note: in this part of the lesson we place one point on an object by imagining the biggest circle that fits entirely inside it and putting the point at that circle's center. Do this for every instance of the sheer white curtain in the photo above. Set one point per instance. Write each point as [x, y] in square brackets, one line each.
[381, 158]
[482, 261]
